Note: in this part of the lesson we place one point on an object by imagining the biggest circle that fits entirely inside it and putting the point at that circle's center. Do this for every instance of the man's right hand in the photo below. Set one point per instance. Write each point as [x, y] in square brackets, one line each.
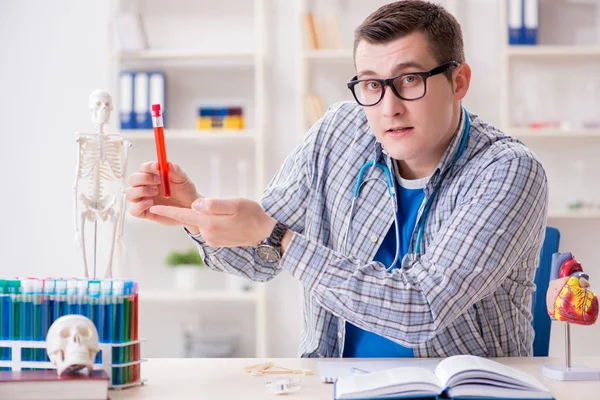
[145, 193]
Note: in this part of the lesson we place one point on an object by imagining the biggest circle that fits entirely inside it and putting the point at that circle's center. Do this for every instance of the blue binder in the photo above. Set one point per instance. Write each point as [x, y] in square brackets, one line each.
[141, 100]
[531, 21]
[515, 22]
[126, 113]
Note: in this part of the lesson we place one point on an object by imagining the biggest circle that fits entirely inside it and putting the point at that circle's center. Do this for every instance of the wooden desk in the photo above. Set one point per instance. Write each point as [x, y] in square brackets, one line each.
[225, 379]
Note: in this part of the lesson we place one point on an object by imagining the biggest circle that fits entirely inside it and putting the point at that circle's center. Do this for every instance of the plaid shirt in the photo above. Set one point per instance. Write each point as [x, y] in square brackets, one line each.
[470, 290]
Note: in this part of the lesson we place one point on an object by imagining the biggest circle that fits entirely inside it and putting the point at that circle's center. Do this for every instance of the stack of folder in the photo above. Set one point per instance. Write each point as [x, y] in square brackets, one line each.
[137, 91]
[523, 22]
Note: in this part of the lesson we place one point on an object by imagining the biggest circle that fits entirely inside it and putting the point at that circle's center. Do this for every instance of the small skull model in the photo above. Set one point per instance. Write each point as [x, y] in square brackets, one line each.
[72, 344]
[100, 106]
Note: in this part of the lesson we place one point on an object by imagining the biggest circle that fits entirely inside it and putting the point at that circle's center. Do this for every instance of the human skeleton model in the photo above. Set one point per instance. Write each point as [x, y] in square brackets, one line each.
[99, 186]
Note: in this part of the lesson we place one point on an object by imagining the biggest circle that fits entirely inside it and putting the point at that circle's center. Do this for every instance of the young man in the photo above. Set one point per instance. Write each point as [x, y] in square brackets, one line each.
[470, 204]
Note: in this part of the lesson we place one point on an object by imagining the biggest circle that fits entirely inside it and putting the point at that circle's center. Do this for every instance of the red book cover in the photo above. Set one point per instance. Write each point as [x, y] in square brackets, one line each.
[47, 385]
[49, 375]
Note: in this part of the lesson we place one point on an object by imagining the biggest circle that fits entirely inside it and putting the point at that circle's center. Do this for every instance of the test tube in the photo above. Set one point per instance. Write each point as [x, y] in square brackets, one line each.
[72, 296]
[37, 300]
[48, 309]
[26, 317]
[14, 290]
[161, 151]
[129, 302]
[136, 347]
[107, 312]
[96, 311]
[118, 331]
[4, 319]
[61, 306]
[83, 305]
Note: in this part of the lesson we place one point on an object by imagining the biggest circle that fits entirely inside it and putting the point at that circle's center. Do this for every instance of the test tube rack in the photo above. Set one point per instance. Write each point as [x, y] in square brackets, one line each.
[29, 307]
[117, 372]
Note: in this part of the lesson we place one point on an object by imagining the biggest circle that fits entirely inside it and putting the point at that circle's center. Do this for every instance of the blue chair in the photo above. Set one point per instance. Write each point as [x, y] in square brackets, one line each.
[541, 320]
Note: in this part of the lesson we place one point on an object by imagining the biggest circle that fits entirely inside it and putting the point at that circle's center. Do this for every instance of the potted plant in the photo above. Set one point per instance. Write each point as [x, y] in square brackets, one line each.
[186, 266]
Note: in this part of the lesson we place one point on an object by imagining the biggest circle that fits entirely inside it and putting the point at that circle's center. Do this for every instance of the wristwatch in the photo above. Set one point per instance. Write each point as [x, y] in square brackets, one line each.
[269, 250]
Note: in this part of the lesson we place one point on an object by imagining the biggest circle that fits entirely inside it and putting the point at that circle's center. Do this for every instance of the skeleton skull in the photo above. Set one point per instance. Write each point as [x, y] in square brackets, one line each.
[100, 106]
[72, 343]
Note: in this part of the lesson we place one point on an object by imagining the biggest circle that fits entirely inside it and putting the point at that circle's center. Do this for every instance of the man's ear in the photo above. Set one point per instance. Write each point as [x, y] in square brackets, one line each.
[461, 81]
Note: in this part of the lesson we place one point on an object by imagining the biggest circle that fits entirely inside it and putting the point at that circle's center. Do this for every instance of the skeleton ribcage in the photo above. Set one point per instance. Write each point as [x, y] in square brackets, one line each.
[99, 166]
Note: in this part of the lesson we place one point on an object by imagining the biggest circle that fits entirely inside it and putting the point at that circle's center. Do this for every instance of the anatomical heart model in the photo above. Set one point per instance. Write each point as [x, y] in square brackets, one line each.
[570, 300]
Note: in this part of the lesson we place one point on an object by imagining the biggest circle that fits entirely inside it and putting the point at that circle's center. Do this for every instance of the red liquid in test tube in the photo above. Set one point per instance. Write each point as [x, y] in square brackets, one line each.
[161, 152]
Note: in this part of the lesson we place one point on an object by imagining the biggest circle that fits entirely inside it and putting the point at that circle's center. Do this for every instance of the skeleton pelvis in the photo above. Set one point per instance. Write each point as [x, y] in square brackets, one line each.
[99, 209]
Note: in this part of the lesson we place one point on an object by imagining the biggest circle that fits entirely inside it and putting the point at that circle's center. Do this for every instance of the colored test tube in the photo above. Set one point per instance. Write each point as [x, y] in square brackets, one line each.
[161, 151]
[4, 317]
[14, 290]
[118, 331]
[96, 310]
[83, 305]
[72, 296]
[136, 347]
[128, 327]
[107, 313]
[26, 317]
[61, 306]
[48, 301]
[37, 300]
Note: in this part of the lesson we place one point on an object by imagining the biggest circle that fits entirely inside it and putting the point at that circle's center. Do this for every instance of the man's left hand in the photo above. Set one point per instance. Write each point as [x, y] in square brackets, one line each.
[223, 222]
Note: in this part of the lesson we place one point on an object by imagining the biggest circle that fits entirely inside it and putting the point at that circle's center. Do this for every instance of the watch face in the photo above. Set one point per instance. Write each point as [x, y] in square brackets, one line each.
[267, 253]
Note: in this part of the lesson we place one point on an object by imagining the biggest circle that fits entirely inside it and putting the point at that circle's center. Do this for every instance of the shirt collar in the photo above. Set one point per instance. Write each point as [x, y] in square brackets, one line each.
[448, 156]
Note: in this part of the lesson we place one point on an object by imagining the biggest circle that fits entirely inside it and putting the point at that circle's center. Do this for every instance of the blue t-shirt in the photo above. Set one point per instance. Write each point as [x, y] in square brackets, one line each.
[361, 343]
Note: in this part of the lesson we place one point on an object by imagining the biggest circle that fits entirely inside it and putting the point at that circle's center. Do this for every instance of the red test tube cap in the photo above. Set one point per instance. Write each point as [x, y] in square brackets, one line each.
[156, 110]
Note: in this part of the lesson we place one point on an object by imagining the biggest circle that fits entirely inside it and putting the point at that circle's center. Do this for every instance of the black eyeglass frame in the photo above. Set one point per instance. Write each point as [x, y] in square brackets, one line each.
[389, 82]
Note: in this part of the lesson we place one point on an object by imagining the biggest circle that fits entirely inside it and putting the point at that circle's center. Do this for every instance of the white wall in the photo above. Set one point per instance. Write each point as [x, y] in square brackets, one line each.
[48, 68]
[53, 56]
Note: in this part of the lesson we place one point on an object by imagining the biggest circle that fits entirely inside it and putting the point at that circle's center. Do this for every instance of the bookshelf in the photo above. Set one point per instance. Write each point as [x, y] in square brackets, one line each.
[192, 134]
[552, 59]
[326, 65]
[556, 52]
[218, 70]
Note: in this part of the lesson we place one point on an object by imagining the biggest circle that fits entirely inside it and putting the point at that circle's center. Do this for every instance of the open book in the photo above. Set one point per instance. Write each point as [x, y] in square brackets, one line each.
[456, 377]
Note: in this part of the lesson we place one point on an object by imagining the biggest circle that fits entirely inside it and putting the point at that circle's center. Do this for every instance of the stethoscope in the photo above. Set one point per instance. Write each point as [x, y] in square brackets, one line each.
[392, 194]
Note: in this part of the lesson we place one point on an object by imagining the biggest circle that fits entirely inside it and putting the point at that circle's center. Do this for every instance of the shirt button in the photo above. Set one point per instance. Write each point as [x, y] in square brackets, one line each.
[374, 238]
[339, 335]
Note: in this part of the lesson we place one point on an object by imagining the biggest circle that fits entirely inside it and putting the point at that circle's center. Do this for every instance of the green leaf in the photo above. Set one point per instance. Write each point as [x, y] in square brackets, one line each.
[190, 257]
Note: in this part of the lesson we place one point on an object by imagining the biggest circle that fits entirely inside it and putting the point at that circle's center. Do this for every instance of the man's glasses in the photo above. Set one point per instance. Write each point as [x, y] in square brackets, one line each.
[410, 86]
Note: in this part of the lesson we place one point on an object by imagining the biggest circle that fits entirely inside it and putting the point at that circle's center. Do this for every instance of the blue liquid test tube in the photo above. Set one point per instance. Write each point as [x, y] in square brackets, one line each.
[14, 287]
[83, 305]
[107, 311]
[96, 311]
[26, 317]
[61, 307]
[48, 309]
[72, 296]
[14, 290]
[37, 300]
[4, 319]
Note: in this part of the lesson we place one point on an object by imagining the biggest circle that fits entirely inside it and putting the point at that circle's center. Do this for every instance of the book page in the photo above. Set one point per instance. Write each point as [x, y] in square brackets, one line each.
[453, 370]
[483, 391]
[382, 383]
